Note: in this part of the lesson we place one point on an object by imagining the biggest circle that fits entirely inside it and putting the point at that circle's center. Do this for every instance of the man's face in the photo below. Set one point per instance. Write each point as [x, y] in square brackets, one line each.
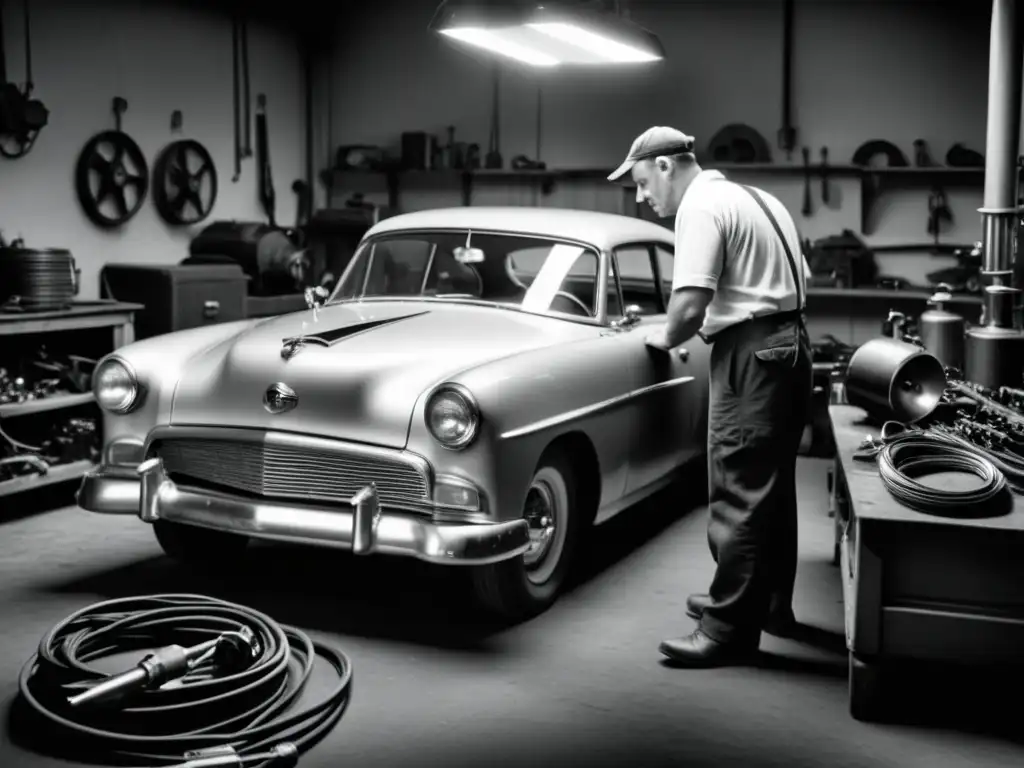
[653, 186]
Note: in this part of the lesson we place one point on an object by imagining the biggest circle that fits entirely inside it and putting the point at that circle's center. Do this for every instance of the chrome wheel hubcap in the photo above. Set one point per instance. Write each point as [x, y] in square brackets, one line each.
[540, 515]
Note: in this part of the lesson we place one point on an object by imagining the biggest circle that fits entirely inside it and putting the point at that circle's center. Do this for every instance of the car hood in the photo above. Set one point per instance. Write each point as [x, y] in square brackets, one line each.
[363, 384]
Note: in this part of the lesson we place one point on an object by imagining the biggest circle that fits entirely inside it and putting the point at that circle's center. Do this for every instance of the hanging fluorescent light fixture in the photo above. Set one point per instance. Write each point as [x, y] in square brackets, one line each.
[543, 34]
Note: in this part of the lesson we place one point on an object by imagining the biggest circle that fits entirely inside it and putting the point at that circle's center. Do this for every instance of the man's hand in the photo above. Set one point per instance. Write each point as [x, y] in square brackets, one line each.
[658, 340]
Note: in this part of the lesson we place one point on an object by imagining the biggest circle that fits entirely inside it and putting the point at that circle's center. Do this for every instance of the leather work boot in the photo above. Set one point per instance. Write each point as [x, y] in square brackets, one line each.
[777, 625]
[699, 650]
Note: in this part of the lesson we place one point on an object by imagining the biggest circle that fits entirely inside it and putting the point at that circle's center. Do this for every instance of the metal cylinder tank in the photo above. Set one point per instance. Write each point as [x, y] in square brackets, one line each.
[891, 379]
[942, 331]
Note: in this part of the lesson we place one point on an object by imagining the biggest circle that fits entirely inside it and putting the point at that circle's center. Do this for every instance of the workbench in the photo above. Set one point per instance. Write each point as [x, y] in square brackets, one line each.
[85, 315]
[918, 587]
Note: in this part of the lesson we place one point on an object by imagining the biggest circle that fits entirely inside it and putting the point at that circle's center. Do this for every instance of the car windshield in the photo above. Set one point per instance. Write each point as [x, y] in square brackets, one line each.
[535, 274]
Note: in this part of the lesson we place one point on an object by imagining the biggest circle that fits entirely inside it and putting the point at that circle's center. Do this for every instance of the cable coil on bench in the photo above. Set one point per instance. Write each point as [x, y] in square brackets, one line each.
[236, 673]
[912, 453]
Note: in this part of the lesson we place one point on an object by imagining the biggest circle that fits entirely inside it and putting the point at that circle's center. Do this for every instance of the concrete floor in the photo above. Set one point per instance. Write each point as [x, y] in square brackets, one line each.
[581, 684]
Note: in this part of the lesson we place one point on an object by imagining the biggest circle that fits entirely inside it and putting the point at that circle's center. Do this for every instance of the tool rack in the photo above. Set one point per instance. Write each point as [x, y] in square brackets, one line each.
[118, 316]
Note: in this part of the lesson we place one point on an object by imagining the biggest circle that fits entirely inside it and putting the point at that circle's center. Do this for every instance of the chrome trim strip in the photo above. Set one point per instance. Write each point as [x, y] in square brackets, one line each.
[589, 410]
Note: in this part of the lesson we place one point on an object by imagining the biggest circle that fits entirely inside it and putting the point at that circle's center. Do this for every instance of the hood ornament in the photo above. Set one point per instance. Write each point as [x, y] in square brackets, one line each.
[279, 398]
[315, 298]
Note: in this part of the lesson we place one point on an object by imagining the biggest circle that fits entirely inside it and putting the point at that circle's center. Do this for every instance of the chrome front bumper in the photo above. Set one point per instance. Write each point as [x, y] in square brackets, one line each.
[361, 526]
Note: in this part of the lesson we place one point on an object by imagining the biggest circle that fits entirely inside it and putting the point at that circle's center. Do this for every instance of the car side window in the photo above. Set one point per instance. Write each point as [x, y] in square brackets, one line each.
[638, 280]
[666, 266]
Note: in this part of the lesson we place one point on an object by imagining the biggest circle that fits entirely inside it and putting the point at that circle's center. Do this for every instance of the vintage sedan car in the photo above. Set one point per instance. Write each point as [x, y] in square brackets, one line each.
[476, 391]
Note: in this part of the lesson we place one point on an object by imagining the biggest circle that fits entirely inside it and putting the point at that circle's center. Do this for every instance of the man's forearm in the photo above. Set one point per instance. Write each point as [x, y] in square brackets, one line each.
[681, 330]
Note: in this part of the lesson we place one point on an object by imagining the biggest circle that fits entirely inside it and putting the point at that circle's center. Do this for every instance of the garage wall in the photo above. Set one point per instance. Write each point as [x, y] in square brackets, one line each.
[160, 57]
[863, 70]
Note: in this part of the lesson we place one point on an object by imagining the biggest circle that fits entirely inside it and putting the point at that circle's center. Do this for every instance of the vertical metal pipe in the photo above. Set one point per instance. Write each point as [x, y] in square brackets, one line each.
[1002, 139]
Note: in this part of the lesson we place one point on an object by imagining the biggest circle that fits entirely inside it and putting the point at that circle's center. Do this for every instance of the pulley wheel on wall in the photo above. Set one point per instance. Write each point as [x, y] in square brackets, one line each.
[112, 178]
[184, 182]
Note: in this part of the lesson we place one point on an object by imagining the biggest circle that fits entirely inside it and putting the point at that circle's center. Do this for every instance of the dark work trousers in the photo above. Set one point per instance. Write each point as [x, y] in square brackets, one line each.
[759, 405]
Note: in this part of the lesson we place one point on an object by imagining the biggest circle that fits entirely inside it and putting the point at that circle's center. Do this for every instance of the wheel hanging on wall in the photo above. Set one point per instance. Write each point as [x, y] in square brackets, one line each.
[112, 170]
[184, 182]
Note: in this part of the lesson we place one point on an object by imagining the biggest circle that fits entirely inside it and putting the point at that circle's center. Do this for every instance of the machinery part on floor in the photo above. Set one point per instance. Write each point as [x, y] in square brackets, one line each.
[21, 116]
[995, 350]
[787, 133]
[738, 143]
[184, 182]
[893, 379]
[36, 279]
[806, 210]
[236, 674]
[824, 175]
[114, 176]
[867, 152]
[942, 332]
[267, 195]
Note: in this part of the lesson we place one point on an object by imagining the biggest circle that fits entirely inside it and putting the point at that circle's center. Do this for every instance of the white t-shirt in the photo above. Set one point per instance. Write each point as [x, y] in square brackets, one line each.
[719, 223]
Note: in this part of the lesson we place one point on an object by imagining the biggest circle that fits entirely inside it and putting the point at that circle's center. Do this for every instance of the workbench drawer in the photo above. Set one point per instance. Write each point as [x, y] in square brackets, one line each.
[178, 297]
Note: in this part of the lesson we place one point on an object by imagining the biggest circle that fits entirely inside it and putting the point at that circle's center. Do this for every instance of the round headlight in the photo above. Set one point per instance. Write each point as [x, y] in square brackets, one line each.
[115, 387]
[452, 417]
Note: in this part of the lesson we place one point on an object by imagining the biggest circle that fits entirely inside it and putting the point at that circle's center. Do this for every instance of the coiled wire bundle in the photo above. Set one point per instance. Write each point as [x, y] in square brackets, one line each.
[906, 454]
[36, 280]
[239, 707]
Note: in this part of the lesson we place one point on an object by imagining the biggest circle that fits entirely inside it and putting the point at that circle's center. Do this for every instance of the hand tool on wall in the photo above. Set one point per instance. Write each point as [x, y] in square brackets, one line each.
[493, 159]
[824, 175]
[806, 210]
[267, 196]
[787, 133]
[235, 92]
[938, 212]
[921, 157]
[21, 116]
[241, 97]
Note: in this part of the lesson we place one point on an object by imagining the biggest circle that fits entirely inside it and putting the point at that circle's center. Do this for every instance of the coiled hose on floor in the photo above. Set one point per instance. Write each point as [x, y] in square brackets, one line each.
[238, 673]
[905, 454]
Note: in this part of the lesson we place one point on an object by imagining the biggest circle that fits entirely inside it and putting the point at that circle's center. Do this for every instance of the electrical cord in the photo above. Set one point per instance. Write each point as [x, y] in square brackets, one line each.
[904, 454]
[233, 685]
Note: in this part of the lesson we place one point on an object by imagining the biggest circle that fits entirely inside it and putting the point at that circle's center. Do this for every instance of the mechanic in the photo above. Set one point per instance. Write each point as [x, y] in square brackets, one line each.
[737, 285]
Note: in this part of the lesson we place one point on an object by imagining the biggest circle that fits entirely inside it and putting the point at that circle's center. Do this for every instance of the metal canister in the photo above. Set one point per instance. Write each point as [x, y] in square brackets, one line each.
[892, 379]
[942, 332]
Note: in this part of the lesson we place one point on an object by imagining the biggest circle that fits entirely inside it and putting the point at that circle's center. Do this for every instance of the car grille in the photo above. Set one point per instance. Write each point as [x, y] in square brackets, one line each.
[265, 469]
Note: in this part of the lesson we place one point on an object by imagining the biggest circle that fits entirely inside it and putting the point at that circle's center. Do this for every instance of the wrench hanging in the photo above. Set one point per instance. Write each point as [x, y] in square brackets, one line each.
[240, 93]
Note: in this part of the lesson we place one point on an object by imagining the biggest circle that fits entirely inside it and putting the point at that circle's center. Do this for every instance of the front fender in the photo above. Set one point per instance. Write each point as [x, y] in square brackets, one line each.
[529, 400]
[158, 363]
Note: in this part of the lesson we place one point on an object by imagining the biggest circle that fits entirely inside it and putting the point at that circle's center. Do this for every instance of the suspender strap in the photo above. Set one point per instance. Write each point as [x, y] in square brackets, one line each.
[785, 244]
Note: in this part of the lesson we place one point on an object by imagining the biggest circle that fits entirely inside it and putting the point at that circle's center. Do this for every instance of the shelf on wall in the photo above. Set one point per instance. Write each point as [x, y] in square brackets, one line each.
[873, 181]
[884, 294]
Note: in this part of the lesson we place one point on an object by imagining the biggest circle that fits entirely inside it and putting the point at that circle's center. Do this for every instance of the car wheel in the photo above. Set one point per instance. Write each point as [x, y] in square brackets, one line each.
[529, 584]
[198, 546]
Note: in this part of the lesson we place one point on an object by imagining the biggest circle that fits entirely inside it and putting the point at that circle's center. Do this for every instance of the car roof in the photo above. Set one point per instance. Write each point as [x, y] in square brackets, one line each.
[603, 230]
